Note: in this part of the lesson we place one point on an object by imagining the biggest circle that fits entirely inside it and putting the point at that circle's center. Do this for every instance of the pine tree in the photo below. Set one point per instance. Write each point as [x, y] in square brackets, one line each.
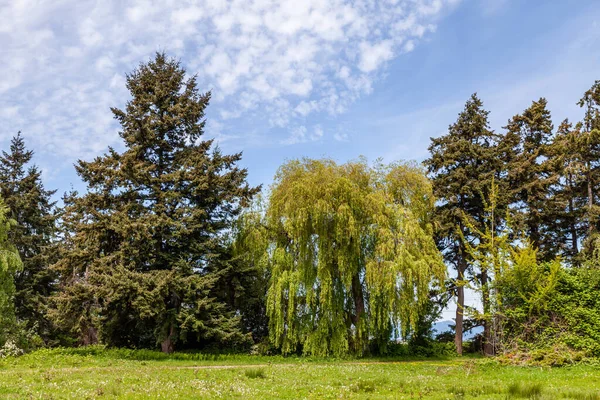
[146, 244]
[462, 165]
[32, 208]
[568, 192]
[10, 264]
[530, 176]
[588, 141]
[574, 156]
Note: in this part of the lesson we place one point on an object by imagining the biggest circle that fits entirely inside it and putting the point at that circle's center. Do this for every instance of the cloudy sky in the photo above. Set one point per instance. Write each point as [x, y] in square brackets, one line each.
[290, 78]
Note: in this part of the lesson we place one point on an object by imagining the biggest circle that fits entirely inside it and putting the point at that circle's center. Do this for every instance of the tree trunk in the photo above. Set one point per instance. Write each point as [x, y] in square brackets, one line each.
[359, 301]
[167, 344]
[359, 309]
[488, 345]
[460, 305]
[90, 336]
[574, 244]
[590, 199]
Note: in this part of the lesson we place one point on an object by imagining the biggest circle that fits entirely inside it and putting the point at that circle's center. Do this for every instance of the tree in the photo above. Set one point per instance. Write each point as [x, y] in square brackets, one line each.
[568, 192]
[530, 177]
[350, 253]
[489, 251]
[462, 165]
[31, 207]
[10, 264]
[588, 140]
[575, 158]
[146, 245]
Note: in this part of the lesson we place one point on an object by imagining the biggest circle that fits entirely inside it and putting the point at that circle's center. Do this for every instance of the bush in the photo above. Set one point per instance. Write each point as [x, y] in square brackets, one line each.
[10, 349]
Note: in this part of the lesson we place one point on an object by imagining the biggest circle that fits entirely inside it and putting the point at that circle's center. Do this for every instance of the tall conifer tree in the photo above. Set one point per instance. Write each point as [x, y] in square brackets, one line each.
[31, 207]
[462, 165]
[568, 192]
[588, 140]
[146, 242]
[530, 176]
[10, 264]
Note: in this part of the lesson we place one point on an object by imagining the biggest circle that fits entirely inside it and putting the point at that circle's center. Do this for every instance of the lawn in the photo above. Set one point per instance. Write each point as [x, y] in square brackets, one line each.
[106, 374]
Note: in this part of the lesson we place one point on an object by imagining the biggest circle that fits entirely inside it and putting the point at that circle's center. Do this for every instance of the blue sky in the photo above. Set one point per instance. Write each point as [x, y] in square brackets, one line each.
[291, 78]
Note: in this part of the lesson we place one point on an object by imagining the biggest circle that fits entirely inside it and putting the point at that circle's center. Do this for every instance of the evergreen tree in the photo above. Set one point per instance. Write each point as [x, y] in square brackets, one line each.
[574, 156]
[145, 246]
[31, 207]
[462, 165]
[568, 192]
[588, 141]
[530, 176]
[10, 264]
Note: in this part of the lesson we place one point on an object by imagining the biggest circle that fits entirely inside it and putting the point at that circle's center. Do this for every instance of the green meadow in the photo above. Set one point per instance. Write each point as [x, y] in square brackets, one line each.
[126, 374]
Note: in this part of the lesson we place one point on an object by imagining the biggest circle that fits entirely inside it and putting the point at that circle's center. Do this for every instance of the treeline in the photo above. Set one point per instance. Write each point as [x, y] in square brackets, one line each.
[169, 246]
[518, 221]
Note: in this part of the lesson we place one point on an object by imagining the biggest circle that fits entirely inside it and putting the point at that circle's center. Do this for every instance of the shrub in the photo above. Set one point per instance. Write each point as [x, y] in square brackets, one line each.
[10, 349]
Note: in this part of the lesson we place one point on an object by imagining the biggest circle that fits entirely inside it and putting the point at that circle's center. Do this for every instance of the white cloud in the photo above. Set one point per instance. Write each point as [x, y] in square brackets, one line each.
[317, 133]
[373, 55]
[275, 60]
[340, 136]
[298, 135]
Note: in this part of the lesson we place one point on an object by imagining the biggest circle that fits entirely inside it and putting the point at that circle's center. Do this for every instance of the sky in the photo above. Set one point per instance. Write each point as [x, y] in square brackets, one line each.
[290, 78]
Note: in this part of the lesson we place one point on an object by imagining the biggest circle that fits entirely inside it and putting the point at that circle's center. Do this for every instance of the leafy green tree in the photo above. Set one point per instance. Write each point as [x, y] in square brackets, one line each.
[350, 253]
[462, 165]
[531, 177]
[10, 264]
[248, 285]
[31, 206]
[146, 245]
[487, 250]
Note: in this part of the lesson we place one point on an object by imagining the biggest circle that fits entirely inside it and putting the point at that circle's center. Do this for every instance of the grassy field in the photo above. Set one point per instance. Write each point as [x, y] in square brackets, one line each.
[106, 374]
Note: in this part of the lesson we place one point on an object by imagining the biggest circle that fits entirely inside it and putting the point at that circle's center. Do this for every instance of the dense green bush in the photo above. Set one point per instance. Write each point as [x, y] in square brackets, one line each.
[563, 327]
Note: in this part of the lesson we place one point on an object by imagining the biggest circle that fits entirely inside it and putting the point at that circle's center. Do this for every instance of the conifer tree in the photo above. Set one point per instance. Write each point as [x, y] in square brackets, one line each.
[10, 264]
[588, 140]
[462, 165]
[568, 192]
[146, 244]
[31, 207]
[574, 156]
[530, 176]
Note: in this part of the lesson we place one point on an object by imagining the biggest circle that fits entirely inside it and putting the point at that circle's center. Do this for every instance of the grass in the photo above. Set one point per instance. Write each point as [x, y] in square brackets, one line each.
[525, 390]
[96, 373]
[254, 373]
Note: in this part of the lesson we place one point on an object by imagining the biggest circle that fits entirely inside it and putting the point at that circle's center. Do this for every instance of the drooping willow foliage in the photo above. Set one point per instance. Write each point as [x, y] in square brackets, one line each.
[350, 253]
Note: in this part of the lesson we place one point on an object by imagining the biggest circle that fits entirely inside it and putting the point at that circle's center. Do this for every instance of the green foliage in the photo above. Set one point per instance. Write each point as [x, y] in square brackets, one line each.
[10, 264]
[550, 313]
[33, 235]
[462, 165]
[145, 247]
[349, 250]
[529, 175]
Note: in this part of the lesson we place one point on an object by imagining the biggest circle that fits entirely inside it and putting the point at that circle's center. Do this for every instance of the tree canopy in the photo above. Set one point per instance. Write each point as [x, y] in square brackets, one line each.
[144, 246]
[350, 251]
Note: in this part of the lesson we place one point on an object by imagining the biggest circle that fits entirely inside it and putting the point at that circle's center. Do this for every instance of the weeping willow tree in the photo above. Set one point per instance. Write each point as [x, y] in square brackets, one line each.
[350, 253]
